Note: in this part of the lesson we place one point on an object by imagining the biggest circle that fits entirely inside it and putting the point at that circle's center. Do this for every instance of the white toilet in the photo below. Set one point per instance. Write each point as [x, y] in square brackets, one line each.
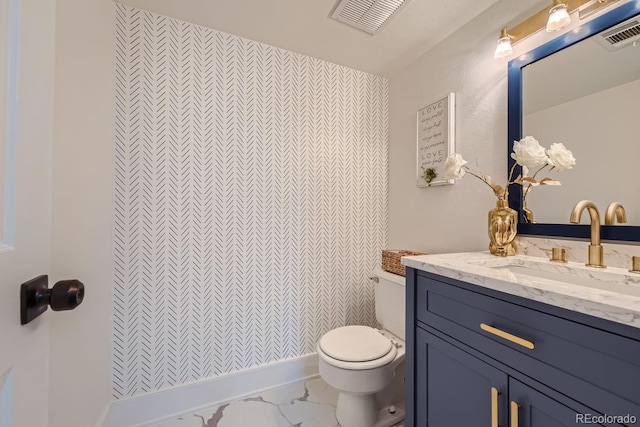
[366, 365]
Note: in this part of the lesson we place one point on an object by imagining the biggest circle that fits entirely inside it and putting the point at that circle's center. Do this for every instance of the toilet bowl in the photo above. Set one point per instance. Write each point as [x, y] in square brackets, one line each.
[366, 365]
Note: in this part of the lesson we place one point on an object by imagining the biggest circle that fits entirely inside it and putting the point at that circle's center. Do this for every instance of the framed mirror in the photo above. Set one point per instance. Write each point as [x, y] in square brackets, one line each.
[582, 89]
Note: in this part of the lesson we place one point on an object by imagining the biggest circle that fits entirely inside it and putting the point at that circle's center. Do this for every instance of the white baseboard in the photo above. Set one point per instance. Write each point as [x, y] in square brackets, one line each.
[155, 407]
[104, 421]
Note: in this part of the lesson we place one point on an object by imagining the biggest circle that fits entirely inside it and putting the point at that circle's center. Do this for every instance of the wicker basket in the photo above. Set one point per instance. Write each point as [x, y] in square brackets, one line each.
[391, 260]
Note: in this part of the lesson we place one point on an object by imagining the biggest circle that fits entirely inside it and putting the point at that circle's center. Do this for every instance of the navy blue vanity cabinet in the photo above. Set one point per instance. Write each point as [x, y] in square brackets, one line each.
[479, 357]
[460, 389]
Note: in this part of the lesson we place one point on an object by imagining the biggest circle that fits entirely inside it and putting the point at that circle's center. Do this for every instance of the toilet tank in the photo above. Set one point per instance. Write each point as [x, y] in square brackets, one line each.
[390, 301]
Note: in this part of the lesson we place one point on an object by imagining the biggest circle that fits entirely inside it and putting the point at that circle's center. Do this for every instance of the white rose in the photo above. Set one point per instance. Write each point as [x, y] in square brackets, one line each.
[560, 158]
[453, 167]
[529, 153]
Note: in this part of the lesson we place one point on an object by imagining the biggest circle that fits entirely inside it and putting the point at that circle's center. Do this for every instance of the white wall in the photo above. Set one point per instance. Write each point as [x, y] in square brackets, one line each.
[250, 201]
[451, 218]
[82, 209]
[454, 218]
[600, 129]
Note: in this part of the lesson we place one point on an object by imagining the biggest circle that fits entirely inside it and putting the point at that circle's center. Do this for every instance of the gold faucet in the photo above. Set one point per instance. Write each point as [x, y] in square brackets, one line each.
[595, 249]
[615, 211]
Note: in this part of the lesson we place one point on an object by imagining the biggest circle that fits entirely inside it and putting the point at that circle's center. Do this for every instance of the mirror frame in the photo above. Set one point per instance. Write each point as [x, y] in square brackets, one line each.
[608, 232]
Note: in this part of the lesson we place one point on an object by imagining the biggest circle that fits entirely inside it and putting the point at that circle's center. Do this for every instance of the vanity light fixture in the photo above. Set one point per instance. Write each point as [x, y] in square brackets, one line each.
[558, 16]
[552, 18]
[504, 47]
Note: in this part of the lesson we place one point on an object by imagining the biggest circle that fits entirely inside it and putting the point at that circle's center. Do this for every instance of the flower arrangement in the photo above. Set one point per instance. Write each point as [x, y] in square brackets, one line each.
[527, 153]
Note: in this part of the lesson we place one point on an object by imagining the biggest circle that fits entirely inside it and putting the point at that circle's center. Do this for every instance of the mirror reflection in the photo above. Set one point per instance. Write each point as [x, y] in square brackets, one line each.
[586, 96]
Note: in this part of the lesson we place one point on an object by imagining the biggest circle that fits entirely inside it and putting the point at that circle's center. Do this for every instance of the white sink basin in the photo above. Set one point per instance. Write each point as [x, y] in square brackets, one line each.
[610, 279]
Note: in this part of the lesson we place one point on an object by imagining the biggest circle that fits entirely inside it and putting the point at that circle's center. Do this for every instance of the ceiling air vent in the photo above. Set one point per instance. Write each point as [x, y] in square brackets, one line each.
[367, 15]
[621, 35]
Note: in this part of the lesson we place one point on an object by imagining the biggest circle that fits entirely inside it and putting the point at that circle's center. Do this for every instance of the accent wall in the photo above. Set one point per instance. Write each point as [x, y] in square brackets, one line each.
[250, 201]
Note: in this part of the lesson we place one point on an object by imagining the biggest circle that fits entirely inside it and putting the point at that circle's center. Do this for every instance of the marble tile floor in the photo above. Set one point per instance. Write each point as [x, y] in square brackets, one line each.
[310, 403]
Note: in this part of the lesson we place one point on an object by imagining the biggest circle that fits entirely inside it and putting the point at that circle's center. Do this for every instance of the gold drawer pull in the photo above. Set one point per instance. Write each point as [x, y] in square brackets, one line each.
[506, 336]
[514, 414]
[494, 406]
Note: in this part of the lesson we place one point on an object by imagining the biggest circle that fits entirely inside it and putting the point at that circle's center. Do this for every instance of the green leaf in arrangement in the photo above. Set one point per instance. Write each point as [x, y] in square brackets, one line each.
[429, 174]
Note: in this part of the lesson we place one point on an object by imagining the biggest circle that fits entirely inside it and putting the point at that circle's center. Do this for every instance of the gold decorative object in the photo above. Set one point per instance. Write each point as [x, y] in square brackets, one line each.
[635, 264]
[503, 228]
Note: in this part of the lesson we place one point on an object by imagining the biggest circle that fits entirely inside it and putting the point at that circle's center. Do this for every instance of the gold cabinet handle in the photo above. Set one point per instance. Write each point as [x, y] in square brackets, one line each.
[507, 336]
[514, 414]
[494, 406]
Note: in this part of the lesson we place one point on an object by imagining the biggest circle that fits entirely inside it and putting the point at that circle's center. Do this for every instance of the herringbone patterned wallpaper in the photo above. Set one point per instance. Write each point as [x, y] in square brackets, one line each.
[251, 201]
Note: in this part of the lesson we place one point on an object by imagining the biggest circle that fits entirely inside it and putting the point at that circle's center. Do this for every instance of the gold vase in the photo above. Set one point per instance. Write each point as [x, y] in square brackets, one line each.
[503, 228]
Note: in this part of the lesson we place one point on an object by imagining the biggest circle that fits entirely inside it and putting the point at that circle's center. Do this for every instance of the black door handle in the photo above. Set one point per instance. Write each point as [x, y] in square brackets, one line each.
[35, 297]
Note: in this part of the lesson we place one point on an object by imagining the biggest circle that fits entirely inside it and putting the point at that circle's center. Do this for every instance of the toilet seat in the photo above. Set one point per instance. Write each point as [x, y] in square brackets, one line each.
[356, 348]
[355, 344]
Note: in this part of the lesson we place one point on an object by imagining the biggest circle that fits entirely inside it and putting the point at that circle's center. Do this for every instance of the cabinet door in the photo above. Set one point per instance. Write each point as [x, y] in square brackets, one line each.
[530, 408]
[454, 388]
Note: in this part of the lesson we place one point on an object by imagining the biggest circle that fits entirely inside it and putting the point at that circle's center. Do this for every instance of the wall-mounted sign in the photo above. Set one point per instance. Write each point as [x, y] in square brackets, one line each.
[435, 140]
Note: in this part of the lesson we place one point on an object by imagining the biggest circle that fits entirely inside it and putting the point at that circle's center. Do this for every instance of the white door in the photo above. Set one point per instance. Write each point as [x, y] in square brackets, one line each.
[26, 115]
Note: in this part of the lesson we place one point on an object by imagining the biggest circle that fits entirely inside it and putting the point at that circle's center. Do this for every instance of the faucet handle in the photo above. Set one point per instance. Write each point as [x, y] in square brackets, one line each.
[558, 255]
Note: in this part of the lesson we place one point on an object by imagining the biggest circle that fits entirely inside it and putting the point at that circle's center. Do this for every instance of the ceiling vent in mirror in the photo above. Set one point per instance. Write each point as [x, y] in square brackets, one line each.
[621, 35]
[367, 15]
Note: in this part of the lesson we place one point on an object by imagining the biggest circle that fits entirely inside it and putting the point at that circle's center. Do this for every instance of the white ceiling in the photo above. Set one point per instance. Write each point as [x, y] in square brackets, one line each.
[304, 26]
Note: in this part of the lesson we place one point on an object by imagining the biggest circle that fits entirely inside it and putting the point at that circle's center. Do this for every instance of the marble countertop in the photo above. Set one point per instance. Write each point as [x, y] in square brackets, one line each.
[612, 293]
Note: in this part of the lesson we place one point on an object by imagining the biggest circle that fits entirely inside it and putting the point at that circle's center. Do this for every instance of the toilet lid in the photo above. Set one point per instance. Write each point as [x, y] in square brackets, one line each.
[355, 344]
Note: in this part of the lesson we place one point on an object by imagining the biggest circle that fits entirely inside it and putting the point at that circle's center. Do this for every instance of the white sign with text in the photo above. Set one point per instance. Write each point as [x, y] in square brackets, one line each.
[435, 140]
